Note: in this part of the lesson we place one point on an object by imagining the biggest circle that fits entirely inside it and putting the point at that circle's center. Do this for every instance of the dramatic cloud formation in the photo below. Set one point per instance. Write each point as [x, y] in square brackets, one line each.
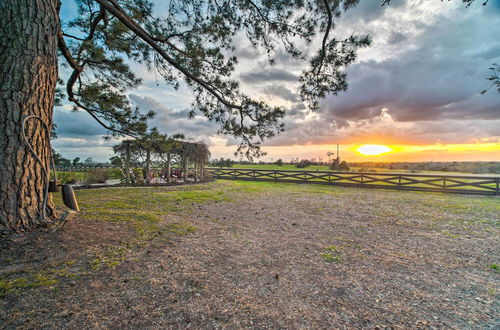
[426, 67]
[172, 122]
[418, 84]
[259, 76]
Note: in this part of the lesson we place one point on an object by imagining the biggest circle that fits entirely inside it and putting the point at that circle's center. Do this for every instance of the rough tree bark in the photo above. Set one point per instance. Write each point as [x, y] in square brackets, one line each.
[28, 76]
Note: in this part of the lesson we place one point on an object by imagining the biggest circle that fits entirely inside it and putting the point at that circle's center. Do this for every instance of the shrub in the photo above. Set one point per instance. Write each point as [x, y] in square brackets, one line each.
[303, 163]
[97, 176]
[70, 177]
[139, 175]
[115, 173]
[344, 166]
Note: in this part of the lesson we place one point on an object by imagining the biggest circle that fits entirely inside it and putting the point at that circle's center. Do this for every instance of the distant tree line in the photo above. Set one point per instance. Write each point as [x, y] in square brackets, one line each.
[60, 160]
[298, 163]
[455, 166]
[221, 162]
[475, 167]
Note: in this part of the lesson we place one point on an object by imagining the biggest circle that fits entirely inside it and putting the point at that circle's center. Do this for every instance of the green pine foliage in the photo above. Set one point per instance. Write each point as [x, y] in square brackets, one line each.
[193, 43]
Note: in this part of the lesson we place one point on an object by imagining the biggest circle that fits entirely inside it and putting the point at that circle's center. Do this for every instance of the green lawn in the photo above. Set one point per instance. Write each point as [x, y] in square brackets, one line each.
[370, 179]
[289, 167]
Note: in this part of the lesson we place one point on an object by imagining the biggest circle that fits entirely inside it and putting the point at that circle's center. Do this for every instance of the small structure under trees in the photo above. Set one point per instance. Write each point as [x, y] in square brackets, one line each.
[189, 158]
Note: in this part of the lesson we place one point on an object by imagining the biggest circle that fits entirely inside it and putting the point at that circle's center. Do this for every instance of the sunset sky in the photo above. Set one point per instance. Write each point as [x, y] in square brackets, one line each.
[415, 90]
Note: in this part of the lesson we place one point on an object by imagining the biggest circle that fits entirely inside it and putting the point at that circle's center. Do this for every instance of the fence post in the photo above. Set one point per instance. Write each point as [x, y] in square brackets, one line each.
[275, 178]
[444, 182]
[186, 171]
[498, 186]
[399, 181]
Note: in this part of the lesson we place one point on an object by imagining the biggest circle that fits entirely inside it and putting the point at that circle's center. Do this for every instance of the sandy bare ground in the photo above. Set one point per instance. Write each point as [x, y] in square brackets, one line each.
[282, 256]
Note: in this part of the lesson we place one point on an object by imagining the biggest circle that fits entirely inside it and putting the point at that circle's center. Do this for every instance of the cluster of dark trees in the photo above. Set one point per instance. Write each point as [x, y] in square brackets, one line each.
[339, 166]
[312, 161]
[334, 165]
[60, 160]
[303, 163]
[221, 162]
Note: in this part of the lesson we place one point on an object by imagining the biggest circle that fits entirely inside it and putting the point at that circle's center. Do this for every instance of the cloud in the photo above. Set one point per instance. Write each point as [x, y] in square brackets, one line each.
[427, 65]
[396, 37]
[431, 82]
[260, 75]
[281, 92]
[437, 78]
[383, 129]
[172, 122]
[369, 11]
[76, 123]
[95, 147]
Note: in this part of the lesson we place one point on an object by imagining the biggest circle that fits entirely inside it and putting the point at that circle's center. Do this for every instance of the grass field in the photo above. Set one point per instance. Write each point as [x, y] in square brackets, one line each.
[96, 176]
[401, 181]
[262, 255]
[289, 167]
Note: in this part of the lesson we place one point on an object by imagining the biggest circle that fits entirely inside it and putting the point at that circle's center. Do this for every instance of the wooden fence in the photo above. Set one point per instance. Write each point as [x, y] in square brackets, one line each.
[84, 168]
[192, 173]
[480, 185]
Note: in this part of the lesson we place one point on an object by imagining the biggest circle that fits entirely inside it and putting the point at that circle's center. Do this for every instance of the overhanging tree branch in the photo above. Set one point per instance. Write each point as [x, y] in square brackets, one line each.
[192, 41]
[115, 9]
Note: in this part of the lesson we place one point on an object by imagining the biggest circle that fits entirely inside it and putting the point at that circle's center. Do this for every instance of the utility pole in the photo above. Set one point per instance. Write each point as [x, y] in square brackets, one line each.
[338, 155]
[336, 162]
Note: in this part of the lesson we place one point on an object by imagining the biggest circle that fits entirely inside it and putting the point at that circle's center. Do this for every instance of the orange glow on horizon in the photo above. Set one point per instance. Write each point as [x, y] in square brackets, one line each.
[373, 149]
[489, 151]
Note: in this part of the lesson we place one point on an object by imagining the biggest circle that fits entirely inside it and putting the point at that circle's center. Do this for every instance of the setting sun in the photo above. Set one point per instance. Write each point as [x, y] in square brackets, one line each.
[373, 149]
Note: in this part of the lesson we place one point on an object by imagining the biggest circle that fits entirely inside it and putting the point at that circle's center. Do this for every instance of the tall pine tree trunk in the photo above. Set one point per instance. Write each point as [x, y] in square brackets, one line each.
[28, 76]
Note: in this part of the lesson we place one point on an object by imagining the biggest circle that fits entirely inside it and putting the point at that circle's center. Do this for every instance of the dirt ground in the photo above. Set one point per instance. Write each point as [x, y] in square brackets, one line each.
[259, 255]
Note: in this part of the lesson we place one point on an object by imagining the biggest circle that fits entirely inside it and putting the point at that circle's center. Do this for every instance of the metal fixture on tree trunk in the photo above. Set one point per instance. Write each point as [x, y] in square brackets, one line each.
[68, 194]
